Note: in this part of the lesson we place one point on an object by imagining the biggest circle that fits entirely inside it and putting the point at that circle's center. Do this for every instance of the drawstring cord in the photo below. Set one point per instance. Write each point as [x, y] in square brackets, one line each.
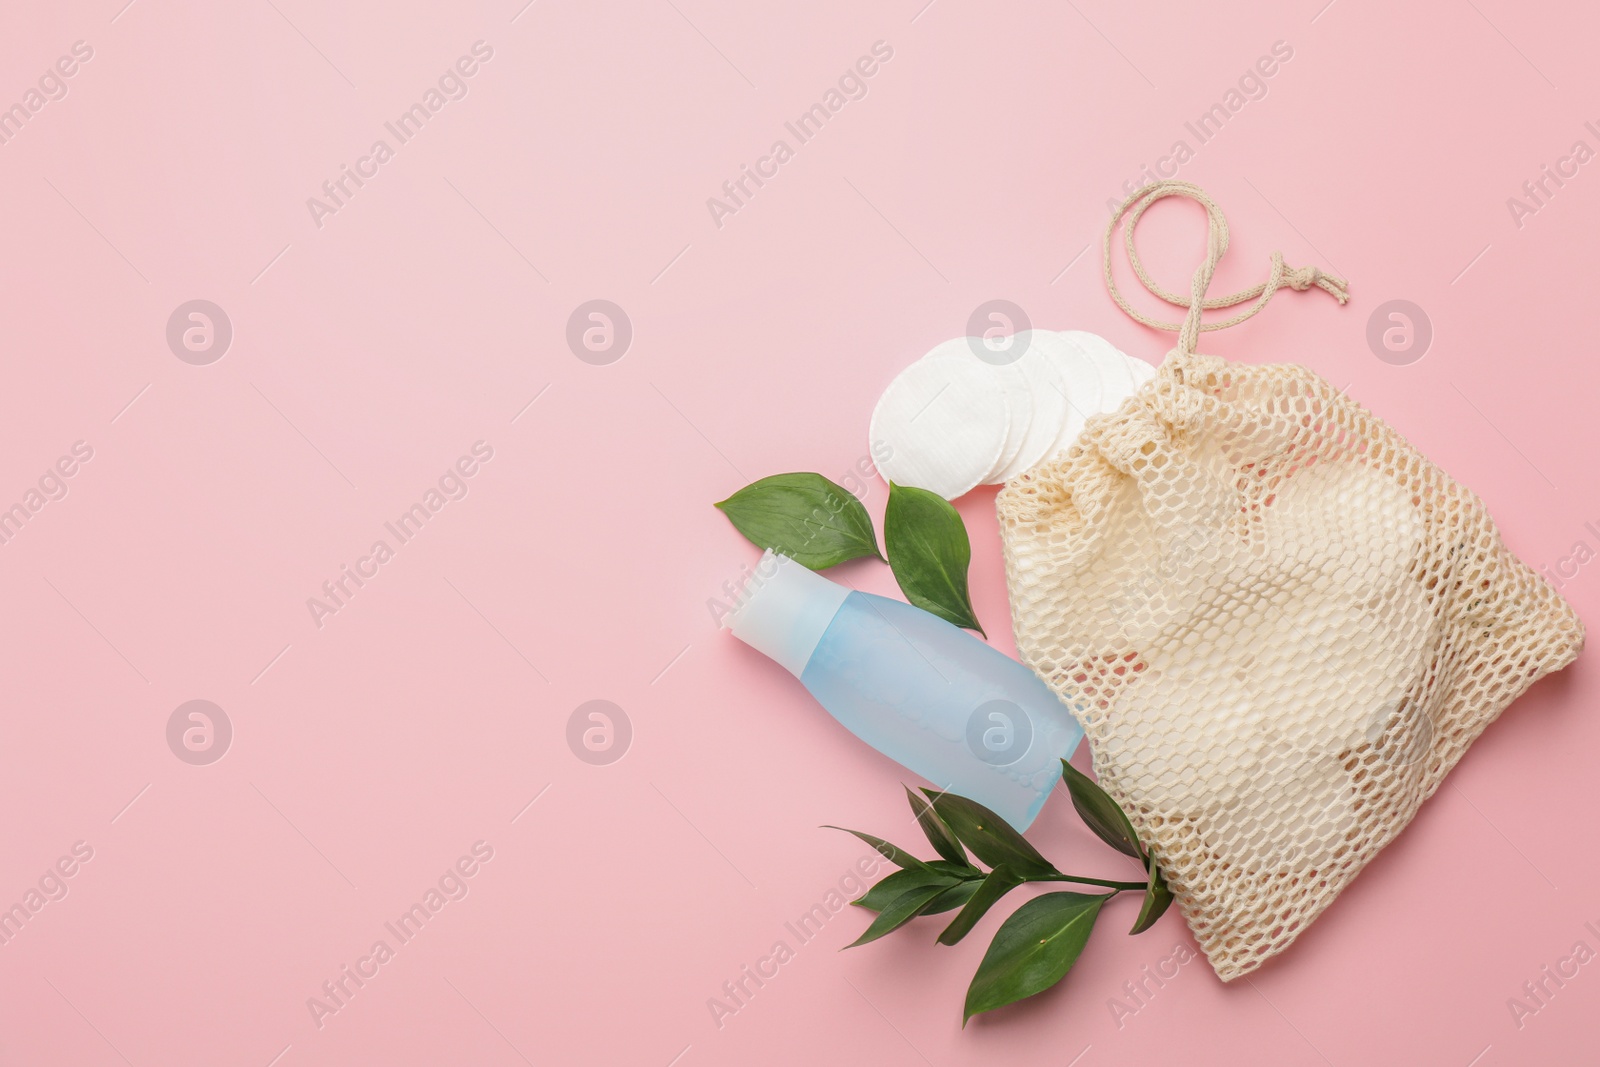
[1297, 278]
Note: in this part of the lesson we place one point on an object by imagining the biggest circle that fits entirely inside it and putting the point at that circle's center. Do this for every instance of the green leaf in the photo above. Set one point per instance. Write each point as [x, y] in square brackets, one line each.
[989, 836]
[888, 888]
[1101, 813]
[804, 516]
[929, 553]
[893, 853]
[901, 910]
[939, 836]
[1033, 950]
[954, 897]
[1157, 898]
[1001, 881]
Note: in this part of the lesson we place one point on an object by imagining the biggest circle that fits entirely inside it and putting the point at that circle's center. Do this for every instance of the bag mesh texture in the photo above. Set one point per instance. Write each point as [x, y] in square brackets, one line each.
[1280, 625]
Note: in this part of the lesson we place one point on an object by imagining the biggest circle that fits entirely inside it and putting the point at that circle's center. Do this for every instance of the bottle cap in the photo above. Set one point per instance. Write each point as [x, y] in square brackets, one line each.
[785, 611]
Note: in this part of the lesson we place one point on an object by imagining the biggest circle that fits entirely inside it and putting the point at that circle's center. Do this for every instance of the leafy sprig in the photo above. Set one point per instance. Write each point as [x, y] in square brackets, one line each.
[820, 524]
[1038, 944]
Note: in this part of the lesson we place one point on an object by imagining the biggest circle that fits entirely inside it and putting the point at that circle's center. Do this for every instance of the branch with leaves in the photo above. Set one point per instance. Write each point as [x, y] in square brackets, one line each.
[820, 524]
[1036, 947]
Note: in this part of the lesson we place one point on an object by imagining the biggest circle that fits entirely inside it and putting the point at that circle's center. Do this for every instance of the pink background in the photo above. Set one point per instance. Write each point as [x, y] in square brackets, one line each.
[372, 351]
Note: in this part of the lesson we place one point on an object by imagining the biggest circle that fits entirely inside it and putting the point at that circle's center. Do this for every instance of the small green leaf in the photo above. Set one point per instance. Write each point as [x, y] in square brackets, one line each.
[901, 910]
[939, 836]
[929, 553]
[989, 836]
[888, 888]
[1157, 898]
[1033, 950]
[1001, 881]
[893, 853]
[804, 516]
[954, 897]
[1101, 813]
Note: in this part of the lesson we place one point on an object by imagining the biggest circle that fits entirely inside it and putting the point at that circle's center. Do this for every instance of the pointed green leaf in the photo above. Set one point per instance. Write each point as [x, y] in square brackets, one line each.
[893, 853]
[1157, 898]
[1033, 950]
[939, 836]
[901, 910]
[900, 882]
[989, 836]
[804, 516]
[1100, 812]
[1001, 881]
[929, 553]
[954, 897]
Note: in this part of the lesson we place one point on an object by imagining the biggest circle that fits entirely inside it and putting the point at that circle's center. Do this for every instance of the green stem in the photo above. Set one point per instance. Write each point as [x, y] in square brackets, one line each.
[1136, 887]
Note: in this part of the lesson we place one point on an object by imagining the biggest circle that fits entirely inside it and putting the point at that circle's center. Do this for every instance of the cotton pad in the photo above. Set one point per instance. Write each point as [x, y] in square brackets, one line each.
[1011, 381]
[1080, 379]
[944, 419]
[1019, 401]
[1139, 370]
[1116, 380]
[952, 420]
[1048, 401]
[1079, 382]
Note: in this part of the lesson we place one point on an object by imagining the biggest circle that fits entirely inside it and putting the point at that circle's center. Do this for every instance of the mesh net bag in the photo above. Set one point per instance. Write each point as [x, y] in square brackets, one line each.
[1281, 625]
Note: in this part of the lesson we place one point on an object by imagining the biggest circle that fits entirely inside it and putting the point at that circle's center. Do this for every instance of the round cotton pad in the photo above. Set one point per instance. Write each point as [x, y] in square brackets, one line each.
[1013, 385]
[1116, 381]
[1140, 370]
[944, 421]
[1049, 402]
[1079, 376]
[1017, 389]
[1080, 381]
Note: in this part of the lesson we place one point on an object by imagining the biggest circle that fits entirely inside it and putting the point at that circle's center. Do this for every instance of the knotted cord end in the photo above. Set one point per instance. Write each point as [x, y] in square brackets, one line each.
[1302, 278]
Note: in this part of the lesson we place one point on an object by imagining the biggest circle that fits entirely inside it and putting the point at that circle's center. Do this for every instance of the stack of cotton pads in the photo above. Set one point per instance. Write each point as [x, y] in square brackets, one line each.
[969, 413]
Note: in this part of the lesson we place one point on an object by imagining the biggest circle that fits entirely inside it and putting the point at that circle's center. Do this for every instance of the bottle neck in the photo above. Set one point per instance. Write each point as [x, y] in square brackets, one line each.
[785, 611]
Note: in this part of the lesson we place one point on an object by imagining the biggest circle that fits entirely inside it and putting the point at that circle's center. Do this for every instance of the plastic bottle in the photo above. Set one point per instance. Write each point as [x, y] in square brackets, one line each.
[925, 693]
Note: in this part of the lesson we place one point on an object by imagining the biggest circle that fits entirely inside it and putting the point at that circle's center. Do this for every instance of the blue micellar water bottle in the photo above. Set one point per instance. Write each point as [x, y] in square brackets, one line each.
[925, 693]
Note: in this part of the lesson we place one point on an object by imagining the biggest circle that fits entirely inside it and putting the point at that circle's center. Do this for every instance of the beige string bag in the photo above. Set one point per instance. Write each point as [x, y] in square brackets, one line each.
[1280, 624]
